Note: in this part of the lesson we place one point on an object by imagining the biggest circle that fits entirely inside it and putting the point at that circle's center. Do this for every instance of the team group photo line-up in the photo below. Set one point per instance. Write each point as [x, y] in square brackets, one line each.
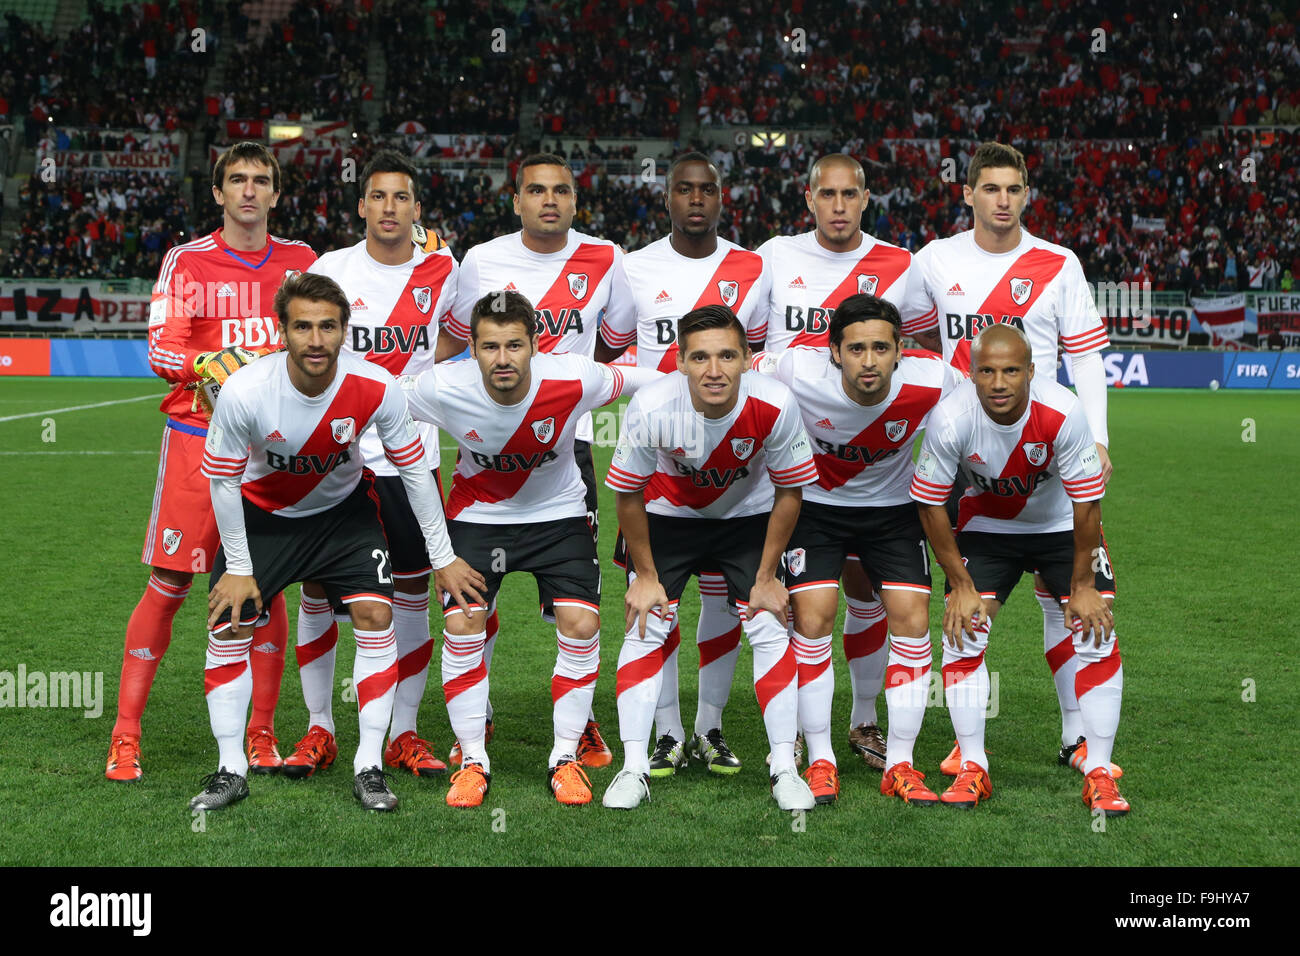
[768, 449]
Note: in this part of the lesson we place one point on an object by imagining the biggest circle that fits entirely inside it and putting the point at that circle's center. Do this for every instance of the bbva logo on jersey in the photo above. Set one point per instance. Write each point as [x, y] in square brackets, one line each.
[867, 284]
[423, 297]
[544, 429]
[1021, 290]
[343, 429]
[729, 289]
[896, 429]
[1036, 452]
[742, 448]
[577, 284]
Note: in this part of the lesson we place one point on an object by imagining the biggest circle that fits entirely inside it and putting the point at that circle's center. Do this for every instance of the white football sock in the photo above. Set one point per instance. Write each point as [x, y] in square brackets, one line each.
[866, 650]
[317, 646]
[816, 688]
[414, 650]
[907, 686]
[718, 638]
[775, 686]
[1058, 649]
[228, 686]
[966, 692]
[1100, 687]
[573, 684]
[640, 673]
[374, 676]
[465, 686]
[668, 709]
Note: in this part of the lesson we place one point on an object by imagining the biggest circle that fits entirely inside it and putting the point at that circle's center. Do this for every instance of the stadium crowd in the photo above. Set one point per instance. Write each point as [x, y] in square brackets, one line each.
[1125, 176]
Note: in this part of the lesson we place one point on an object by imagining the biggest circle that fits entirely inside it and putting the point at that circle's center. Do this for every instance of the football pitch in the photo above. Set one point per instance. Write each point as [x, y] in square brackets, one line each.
[1201, 523]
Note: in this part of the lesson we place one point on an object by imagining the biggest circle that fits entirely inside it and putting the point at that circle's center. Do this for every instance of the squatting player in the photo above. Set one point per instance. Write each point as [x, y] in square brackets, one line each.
[568, 276]
[708, 474]
[1033, 502]
[213, 295]
[398, 292]
[517, 503]
[997, 272]
[689, 269]
[294, 502]
[811, 274]
[863, 403]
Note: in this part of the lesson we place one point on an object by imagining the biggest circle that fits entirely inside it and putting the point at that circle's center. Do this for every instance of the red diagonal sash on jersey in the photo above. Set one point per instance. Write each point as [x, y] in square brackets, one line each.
[407, 316]
[1043, 426]
[358, 398]
[739, 266]
[556, 398]
[1040, 265]
[590, 260]
[913, 403]
[756, 420]
[886, 263]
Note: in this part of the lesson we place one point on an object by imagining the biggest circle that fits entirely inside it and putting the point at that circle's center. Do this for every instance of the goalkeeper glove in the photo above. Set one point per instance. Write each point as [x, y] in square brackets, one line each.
[426, 239]
[213, 368]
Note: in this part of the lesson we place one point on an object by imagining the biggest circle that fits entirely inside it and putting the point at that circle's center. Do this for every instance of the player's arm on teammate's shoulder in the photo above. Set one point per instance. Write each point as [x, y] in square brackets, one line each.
[617, 329]
[645, 592]
[919, 311]
[1086, 604]
[421, 392]
[448, 346]
[768, 593]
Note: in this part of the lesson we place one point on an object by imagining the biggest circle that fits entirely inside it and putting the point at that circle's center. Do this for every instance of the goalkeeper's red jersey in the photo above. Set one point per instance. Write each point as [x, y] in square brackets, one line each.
[209, 297]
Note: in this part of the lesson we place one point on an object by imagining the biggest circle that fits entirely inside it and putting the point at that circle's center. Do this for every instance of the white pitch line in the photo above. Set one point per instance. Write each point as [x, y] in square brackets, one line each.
[132, 452]
[78, 408]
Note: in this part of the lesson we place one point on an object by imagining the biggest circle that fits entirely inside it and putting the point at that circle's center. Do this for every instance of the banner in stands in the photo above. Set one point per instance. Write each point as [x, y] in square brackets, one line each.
[160, 161]
[320, 144]
[71, 307]
[1224, 318]
[1277, 310]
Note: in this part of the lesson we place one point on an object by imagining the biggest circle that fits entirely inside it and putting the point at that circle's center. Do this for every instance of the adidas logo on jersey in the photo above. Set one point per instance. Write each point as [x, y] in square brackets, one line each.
[510, 287]
[956, 289]
[359, 306]
[225, 292]
[797, 283]
[825, 423]
[472, 435]
[267, 647]
[677, 452]
[662, 297]
[143, 653]
[275, 436]
[976, 459]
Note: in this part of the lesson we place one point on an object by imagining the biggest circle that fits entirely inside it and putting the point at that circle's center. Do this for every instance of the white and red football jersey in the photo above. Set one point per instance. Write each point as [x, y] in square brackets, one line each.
[863, 452]
[694, 467]
[657, 286]
[516, 462]
[298, 455]
[809, 281]
[394, 320]
[569, 289]
[209, 297]
[1039, 287]
[1022, 476]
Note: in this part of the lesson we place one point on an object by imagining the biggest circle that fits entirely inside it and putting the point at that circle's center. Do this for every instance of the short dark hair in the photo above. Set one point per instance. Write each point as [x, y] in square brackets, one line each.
[253, 153]
[502, 308]
[709, 317]
[313, 288]
[539, 159]
[694, 156]
[991, 156]
[860, 307]
[836, 159]
[389, 161]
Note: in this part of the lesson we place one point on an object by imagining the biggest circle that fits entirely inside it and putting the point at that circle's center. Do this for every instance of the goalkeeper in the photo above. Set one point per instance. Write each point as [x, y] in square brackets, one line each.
[210, 315]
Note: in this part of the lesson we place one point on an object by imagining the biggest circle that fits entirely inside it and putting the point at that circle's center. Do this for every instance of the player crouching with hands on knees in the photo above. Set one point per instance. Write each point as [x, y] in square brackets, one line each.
[293, 502]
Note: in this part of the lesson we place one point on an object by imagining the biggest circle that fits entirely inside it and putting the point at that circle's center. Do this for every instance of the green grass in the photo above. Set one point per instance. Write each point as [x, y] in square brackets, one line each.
[1201, 529]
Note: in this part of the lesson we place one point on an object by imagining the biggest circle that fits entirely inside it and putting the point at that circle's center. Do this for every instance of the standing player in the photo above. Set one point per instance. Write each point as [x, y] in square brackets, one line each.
[569, 278]
[863, 403]
[294, 502]
[708, 473]
[208, 309]
[397, 293]
[811, 274]
[1033, 502]
[997, 272]
[517, 503]
[689, 269]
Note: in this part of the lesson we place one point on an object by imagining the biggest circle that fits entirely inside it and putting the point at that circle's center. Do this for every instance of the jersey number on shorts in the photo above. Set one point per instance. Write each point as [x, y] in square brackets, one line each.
[382, 555]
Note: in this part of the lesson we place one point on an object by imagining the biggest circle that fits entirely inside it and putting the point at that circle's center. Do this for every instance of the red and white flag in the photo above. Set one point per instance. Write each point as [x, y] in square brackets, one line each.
[1224, 318]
